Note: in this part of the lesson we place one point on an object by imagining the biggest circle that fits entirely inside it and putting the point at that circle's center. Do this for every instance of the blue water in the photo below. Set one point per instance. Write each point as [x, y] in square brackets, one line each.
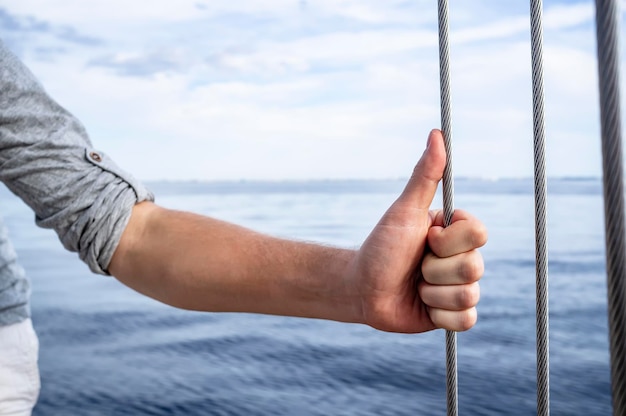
[106, 350]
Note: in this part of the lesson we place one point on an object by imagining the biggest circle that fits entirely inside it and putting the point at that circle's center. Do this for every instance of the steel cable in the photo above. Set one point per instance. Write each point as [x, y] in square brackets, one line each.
[612, 169]
[541, 196]
[448, 188]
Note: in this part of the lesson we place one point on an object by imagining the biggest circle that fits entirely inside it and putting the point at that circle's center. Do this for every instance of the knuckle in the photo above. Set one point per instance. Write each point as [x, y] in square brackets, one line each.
[469, 296]
[472, 267]
[467, 319]
[478, 236]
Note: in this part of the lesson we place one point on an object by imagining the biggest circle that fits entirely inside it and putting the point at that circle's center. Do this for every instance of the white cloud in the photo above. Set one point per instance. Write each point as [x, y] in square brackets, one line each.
[275, 89]
[563, 16]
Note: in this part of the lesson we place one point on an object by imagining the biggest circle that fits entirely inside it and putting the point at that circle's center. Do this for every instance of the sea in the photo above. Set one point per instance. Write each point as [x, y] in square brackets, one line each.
[106, 350]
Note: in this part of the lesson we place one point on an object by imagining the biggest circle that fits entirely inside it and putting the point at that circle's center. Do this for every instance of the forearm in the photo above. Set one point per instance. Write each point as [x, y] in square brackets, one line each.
[195, 262]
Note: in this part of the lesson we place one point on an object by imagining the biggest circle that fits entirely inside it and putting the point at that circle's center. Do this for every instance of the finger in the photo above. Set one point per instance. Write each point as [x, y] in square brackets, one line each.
[420, 190]
[457, 215]
[455, 270]
[464, 234]
[453, 320]
[452, 298]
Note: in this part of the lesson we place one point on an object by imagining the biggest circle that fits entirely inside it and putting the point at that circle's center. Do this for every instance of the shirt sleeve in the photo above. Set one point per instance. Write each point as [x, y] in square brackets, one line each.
[47, 159]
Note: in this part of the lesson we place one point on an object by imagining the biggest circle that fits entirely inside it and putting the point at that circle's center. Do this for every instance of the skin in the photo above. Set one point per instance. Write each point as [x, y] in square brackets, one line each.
[410, 275]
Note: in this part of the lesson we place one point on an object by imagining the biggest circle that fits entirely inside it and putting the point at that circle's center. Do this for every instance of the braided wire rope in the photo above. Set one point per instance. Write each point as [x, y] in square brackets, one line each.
[612, 169]
[448, 189]
[541, 196]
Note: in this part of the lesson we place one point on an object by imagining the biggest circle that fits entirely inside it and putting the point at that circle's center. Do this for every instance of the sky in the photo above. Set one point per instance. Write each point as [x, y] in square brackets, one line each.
[311, 89]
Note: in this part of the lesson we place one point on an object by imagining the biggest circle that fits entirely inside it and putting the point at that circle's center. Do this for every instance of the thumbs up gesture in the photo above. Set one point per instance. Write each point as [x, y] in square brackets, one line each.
[412, 274]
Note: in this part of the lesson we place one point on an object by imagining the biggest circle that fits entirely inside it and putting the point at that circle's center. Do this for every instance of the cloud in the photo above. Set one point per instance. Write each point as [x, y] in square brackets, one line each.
[563, 16]
[12, 23]
[69, 34]
[141, 65]
[27, 34]
[273, 89]
[25, 25]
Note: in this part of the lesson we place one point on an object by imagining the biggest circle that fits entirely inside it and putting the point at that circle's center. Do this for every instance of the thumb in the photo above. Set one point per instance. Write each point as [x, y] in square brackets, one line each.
[421, 188]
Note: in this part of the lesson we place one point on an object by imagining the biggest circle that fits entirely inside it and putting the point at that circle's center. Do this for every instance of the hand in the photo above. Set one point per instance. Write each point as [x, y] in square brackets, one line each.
[411, 274]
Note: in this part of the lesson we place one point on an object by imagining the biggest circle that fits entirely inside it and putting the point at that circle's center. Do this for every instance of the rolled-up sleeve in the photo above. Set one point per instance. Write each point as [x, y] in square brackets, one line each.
[47, 159]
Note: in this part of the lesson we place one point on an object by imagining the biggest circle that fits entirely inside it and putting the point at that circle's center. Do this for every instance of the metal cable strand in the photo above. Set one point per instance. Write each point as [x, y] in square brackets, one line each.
[541, 194]
[448, 189]
[608, 71]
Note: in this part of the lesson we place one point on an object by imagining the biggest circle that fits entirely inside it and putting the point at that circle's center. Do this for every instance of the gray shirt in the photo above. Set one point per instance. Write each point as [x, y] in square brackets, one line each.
[47, 159]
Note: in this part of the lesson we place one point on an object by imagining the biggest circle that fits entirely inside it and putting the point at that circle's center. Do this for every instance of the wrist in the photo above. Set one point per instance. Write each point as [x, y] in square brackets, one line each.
[328, 290]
